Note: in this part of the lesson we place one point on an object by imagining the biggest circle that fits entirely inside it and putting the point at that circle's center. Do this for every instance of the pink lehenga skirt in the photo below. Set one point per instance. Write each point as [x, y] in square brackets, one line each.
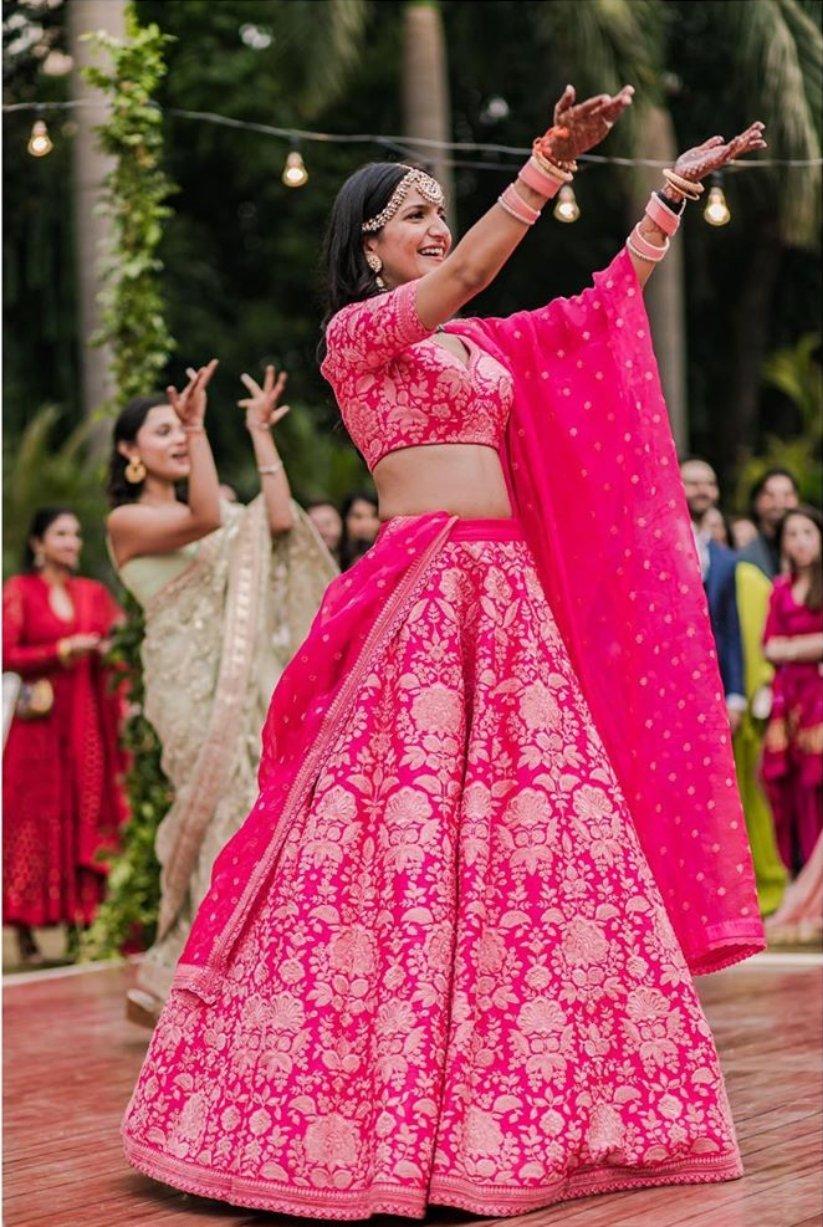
[459, 984]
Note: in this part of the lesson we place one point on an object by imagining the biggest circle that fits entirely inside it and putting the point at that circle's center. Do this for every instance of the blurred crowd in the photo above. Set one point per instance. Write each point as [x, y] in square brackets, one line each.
[764, 587]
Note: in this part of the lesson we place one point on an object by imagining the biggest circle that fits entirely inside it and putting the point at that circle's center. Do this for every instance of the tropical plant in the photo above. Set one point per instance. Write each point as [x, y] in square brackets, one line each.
[794, 372]
[37, 472]
[134, 193]
[135, 328]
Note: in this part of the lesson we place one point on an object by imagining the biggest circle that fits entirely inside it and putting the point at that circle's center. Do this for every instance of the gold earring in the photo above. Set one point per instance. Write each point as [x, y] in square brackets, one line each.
[376, 265]
[135, 471]
[39, 559]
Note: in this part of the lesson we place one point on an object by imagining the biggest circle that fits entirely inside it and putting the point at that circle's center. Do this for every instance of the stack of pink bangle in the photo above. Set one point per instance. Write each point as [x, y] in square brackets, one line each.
[516, 207]
[640, 246]
[666, 219]
[546, 182]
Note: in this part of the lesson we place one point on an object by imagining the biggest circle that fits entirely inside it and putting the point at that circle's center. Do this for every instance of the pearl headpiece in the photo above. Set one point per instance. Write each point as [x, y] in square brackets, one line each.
[428, 188]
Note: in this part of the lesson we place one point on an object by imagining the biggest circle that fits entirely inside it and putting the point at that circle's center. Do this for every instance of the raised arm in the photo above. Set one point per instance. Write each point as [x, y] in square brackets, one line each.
[485, 248]
[263, 411]
[159, 523]
[649, 241]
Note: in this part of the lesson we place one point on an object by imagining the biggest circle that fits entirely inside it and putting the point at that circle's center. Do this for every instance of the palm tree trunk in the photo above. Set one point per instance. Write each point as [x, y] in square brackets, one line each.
[665, 292]
[90, 166]
[426, 105]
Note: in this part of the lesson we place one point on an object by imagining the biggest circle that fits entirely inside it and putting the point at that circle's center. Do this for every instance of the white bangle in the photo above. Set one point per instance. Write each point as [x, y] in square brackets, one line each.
[270, 469]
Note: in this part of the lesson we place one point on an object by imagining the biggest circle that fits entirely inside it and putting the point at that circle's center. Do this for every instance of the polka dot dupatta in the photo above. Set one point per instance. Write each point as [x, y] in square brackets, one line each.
[593, 476]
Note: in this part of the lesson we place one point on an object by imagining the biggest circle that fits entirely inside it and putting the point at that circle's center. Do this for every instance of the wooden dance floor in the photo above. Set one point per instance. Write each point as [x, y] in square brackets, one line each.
[71, 1060]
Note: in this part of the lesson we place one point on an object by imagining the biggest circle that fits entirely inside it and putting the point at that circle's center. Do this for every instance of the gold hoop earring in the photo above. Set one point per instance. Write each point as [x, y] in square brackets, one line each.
[135, 471]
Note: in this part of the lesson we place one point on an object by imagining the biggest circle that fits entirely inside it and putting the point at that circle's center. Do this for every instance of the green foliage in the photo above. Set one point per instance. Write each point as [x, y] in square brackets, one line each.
[134, 325]
[128, 915]
[133, 319]
[795, 373]
[39, 473]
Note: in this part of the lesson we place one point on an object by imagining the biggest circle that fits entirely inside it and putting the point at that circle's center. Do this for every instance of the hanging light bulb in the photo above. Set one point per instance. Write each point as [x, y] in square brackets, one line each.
[294, 172]
[567, 209]
[717, 211]
[40, 143]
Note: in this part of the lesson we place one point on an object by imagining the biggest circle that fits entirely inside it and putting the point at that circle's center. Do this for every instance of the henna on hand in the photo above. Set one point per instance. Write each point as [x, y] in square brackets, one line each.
[579, 127]
[706, 159]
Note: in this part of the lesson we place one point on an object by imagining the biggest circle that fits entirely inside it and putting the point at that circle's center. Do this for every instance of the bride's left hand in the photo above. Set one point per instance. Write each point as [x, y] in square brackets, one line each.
[262, 406]
[696, 164]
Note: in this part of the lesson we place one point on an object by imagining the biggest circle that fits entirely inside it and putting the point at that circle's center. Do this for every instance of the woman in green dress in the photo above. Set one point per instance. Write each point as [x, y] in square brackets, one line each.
[228, 592]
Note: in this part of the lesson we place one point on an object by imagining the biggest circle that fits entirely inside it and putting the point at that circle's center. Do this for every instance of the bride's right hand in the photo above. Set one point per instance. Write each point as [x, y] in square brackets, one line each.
[579, 126]
[190, 404]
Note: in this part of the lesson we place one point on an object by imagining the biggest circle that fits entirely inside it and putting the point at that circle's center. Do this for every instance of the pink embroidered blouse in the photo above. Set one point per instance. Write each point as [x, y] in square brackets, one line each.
[397, 387]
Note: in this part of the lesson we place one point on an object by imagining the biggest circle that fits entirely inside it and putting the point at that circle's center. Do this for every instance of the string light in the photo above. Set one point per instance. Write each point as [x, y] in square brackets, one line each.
[294, 172]
[399, 143]
[717, 211]
[567, 209]
[40, 143]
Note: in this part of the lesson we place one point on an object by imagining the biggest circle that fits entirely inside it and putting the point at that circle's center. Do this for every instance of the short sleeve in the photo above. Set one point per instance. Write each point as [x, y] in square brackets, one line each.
[366, 335]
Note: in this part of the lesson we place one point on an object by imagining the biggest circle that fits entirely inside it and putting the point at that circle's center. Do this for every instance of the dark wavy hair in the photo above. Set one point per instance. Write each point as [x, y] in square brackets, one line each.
[760, 485]
[128, 423]
[350, 550]
[814, 600]
[41, 522]
[348, 277]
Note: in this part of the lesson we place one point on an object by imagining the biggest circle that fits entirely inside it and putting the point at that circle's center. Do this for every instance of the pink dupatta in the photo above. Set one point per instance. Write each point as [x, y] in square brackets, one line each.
[593, 476]
[592, 473]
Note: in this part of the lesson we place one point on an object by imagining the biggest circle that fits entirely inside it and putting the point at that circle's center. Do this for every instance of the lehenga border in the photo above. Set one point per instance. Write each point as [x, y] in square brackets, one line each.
[385, 1198]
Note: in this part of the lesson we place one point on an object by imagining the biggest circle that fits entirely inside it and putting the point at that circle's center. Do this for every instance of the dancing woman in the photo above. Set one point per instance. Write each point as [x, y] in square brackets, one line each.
[447, 958]
[228, 592]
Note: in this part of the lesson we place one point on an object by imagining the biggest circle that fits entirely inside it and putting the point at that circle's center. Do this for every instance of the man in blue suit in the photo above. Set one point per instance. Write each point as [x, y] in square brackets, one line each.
[718, 566]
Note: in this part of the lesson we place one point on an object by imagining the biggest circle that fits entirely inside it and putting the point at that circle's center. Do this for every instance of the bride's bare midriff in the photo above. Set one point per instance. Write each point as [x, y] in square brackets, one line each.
[464, 479]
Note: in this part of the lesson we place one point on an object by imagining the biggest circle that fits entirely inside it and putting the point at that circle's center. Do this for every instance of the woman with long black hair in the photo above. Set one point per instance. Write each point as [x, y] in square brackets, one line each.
[227, 593]
[62, 765]
[447, 959]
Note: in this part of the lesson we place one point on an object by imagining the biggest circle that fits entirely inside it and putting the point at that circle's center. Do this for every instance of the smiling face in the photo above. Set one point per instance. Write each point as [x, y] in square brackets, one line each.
[61, 543]
[162, 445]
[415, 241]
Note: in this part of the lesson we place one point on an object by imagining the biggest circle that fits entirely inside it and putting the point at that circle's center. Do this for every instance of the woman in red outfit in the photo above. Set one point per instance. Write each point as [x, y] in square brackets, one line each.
[61, 767]
[793, 643]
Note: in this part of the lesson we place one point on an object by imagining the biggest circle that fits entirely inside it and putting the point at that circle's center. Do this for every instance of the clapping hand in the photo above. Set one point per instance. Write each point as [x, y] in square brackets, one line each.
[262, 408]
[190, 404]
[696, 164]
[580, 126]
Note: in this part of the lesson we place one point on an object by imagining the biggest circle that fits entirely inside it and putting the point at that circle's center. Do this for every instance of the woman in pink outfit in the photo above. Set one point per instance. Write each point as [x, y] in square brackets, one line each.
[793, 642]
[447, 958]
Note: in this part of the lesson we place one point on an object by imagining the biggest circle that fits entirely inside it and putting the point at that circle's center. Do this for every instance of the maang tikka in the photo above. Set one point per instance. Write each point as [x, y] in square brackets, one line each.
[428, 188]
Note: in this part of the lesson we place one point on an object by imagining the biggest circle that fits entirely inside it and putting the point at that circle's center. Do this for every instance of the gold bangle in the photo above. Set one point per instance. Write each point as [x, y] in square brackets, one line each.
[63, 651]
[686, 188]
[556, 172]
